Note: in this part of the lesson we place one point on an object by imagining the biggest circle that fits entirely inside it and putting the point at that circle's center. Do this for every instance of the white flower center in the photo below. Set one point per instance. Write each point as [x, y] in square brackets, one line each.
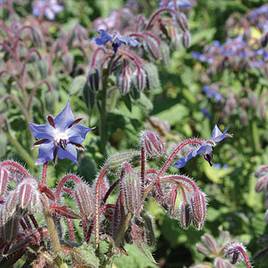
[60, 136]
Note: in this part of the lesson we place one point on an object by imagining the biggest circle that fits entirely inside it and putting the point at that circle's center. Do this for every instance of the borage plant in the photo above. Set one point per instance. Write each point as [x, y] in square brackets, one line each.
[127, 47]
[33, 216]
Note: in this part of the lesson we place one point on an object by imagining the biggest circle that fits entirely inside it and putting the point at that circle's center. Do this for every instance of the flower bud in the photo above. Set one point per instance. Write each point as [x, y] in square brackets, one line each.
[85, 200]
[186, 39]
[124, 79]
[199, 208]
[221, 263]
[182, 21]
[130, 188]
[139, 79]
[262, 184]
[185, 215]
[236, 252]
[26, 190]
[152, 144]
[210, 243]
[152, 46]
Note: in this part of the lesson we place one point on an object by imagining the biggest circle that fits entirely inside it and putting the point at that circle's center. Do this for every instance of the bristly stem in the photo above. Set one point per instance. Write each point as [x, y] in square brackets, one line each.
[170, 159]
[52, 230]
[44, 174]
[142, 163]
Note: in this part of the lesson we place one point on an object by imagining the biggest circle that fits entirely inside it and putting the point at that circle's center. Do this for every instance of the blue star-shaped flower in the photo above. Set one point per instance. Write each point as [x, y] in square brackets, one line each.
[61, 136]
[116, 40]
[206, 148]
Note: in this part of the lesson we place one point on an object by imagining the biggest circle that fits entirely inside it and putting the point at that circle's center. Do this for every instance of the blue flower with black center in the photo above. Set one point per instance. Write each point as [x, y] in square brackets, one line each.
[60, 137]
[206, 148]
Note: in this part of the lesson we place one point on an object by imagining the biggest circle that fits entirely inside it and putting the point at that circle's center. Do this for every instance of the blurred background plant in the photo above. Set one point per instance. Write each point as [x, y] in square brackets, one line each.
[221, 78]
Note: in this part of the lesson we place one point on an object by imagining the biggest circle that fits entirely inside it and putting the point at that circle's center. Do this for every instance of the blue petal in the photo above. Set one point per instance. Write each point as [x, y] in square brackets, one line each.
[103, 38]
[217, 136]
[64, 118]
[68, 153]
[181, 162]
[45, 153]
[204, 149]
[77, 133]
[43, 131]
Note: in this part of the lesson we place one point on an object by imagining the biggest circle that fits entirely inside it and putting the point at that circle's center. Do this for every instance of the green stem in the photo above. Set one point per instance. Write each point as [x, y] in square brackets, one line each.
[52, 230]
[20, 150]
[103, 122]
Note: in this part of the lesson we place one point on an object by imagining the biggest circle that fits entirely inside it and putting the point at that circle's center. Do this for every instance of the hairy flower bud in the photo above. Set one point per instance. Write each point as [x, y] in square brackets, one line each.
[199, 208]
[210, 243]
[152, 144]
[26, 190]
[152, 76]
[186, 39]
[221, 263]
[124, 79]
[236, 252]
[130, 188]
[185, 215]
[262, 184]
[182, 21]
[139, 79]
[85, 200]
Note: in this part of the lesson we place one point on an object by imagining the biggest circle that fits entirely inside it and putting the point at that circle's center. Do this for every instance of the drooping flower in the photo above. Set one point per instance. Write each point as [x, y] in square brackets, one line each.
[116, 40]
[61, 136]
[48, 8]
[206, 148]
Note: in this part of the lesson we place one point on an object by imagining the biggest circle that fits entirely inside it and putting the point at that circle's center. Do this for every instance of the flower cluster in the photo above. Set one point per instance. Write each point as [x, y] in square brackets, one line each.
[224, 251]
[124, 47]
[236, 53]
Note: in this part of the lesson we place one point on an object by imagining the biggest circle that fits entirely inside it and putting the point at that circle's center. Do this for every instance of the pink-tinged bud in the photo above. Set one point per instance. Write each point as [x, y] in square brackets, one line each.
[210, 243]
[85, 200]
[199, 208]
[152, 143]
[3, 181]
[153, 47]
[124, 79]
[182, 21]
[139, 79]
[186, 39]
[202, 249]
[236, 252]
[221, 263]
[130, 188]
[262, 184]
[11, 203]
[8, 225]
[262, 170]
[25, 192]
[185, 215]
